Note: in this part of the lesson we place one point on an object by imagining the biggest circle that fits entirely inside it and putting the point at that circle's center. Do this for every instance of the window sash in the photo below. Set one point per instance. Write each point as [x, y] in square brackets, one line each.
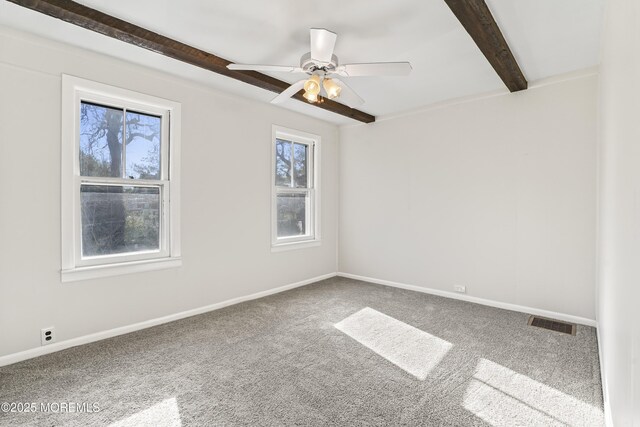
[309, 215]
[163, 230]
[125, 105]
[163, 183]
[309, 161]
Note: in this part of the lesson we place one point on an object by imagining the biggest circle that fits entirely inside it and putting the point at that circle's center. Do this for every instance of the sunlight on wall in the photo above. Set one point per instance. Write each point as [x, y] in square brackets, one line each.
[163, 414]
[501, 396]
[409, 348]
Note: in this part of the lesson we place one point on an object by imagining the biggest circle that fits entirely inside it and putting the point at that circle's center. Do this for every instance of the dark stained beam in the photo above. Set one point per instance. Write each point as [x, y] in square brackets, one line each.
[111, 26]
[476, 18]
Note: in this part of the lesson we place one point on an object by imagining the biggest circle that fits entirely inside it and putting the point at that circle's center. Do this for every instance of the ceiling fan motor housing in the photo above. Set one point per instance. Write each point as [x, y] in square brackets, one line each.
[310, 65]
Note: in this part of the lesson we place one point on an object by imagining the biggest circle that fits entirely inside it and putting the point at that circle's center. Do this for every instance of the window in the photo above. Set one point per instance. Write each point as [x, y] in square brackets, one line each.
[120, 176]
[295, 200]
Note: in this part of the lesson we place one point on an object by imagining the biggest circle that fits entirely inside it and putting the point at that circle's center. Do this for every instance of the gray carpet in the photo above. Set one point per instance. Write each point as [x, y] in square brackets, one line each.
[337, 352]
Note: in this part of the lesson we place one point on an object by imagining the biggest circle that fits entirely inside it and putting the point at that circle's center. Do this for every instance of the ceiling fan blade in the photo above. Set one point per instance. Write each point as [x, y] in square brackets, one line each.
[322, 44]
[288, 92]
[260, 67]
[348, 95]
[375, 69]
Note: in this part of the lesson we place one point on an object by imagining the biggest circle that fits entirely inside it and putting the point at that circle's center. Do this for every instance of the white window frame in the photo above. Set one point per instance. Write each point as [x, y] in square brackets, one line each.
[74, 266]
[313, 189]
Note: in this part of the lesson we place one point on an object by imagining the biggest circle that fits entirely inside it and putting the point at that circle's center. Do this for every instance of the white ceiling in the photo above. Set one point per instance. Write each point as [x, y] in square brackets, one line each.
[547, 37]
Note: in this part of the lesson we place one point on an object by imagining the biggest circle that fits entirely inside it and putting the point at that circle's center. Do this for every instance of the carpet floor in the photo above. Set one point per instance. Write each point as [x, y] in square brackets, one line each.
[338, 352]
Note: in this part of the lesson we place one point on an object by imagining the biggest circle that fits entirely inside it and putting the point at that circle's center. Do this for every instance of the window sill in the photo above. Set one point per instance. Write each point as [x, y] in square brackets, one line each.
[107, 270]
[280, 247]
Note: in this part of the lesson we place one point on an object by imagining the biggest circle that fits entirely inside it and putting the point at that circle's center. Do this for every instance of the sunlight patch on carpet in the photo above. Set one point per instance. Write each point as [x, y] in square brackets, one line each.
[162, 414]
[501, 396]
[415, 351]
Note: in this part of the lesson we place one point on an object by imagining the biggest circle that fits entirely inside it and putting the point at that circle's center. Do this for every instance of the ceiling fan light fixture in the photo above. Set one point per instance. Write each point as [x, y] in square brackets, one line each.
[323, 74]
[332, 88]
[311, 97]
[312, 85]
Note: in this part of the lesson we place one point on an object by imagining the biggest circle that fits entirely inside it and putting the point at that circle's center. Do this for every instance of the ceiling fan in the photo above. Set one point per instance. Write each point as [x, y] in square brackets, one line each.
[323, 68]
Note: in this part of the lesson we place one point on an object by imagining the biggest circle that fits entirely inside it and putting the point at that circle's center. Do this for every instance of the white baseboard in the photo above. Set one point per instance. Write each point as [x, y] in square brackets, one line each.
[490, 303]
[608, 419]
[52, 348]
[62, 345]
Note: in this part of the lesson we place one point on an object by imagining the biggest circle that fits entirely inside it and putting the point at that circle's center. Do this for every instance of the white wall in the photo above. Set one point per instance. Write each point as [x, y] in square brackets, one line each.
[225, 214]
[619, 213]
[497, 194]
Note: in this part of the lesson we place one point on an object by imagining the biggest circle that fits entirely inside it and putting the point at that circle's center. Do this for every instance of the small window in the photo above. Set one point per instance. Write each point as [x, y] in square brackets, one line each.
[120, 181]
[295, 191]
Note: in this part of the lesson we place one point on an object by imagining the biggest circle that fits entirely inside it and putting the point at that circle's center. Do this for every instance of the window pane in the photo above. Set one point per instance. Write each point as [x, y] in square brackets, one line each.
[292, 209]
[300, 164]
[100, 140]
[143, 146]
[117, 219]
[283, 163]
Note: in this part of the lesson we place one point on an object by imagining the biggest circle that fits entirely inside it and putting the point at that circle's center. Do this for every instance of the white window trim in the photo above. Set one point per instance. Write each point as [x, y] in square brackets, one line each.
[297, 242]
[74, 90]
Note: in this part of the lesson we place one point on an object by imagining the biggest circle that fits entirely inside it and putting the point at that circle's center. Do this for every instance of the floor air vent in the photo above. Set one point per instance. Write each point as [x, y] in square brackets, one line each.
[552, 325]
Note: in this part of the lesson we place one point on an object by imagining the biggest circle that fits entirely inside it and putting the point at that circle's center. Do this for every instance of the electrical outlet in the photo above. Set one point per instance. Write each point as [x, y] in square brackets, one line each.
[47, 335]
[460, 289]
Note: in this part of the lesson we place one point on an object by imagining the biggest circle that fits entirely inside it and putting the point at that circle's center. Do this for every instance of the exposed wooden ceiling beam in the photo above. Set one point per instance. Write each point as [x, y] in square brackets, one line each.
[476, 18]
[111, 26]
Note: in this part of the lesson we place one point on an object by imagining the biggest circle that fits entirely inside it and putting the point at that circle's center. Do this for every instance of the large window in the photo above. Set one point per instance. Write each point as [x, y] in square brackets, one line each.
[120, 181]
[295, 191]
